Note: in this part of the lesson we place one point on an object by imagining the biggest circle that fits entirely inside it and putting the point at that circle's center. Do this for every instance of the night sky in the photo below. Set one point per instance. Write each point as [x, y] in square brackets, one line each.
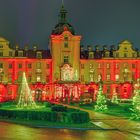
[103, 22]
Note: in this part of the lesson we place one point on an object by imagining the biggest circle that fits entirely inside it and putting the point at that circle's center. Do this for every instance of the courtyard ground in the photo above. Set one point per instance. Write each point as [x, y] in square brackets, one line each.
[109, 122]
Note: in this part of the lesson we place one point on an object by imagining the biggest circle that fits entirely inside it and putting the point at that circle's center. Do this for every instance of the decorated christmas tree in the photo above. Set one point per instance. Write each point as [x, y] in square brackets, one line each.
[136, 102]
[101, 101]
[25, 97]
[114, 99]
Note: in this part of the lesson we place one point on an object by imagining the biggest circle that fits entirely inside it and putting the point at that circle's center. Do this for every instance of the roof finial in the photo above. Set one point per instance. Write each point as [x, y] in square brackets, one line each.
[62, 2]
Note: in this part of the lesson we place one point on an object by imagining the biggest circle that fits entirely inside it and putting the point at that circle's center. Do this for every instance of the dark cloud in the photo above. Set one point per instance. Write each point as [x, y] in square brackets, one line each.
[98, 21]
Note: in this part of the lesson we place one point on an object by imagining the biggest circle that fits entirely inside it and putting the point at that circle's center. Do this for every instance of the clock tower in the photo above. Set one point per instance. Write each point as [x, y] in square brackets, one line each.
[65, 50]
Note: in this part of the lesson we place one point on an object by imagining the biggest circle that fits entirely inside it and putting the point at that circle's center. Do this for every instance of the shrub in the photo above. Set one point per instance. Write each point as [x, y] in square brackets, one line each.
[47, 104]
[73, 110]
[53, 116]
[60, 115]
[79, 117]
[59, 108]
[109, 103]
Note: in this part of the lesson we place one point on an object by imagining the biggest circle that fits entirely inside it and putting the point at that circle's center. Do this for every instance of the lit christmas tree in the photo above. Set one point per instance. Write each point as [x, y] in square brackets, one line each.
[114, 97]
[101, 101]
[25, 97]
[136, 102]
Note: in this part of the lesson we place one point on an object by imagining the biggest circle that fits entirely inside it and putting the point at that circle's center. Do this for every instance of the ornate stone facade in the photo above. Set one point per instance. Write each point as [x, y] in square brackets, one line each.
[68, 71]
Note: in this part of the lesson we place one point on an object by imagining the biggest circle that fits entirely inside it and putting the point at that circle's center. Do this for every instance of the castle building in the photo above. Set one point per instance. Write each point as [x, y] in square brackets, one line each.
[68, 70]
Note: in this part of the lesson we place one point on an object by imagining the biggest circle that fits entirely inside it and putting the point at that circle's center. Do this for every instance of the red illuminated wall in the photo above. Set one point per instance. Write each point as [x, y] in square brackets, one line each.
[8, 90]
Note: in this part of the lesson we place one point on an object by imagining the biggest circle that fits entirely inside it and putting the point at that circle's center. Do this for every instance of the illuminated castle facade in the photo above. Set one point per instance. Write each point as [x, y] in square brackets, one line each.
[67, 70]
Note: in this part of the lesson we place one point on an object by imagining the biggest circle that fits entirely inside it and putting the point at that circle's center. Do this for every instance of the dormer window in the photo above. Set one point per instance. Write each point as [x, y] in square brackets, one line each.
[20, 53]
[90, 55]
[117, 54]
[34, 48]
[10, 53]
[39, 55]
[106, 54]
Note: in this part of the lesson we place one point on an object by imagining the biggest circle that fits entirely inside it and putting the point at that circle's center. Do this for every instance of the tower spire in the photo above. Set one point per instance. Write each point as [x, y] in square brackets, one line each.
[62, 2]
[63, 14]
[63, 23]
